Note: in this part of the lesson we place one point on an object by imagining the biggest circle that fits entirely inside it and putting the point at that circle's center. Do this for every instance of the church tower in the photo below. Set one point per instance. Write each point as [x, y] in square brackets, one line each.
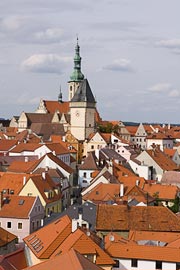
[82, 111]
[77, 75]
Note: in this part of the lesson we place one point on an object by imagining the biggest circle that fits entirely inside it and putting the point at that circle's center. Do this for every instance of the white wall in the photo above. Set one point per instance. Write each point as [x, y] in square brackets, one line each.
[125, 264]
[141, 170]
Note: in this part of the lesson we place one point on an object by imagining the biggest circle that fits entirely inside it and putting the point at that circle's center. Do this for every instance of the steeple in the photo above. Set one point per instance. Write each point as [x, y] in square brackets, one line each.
[60, 96]
[77, 74]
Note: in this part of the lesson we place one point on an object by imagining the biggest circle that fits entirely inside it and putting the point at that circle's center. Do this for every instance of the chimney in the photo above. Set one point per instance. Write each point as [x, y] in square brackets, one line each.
[80, 213]
[137, 182]
[26, 159]
[121, 189]
[24, 180]
[74, 225]
[1, 199]
[44, 175]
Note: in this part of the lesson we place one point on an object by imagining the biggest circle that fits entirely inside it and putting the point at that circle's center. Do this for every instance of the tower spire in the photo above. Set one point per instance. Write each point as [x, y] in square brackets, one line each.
[77, 74]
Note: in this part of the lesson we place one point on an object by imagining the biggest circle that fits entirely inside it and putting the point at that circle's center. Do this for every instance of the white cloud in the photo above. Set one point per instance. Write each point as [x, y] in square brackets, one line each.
[165, 88]
[123, 65]
[11, 23]
[174, 93]
[160, 87]
[46, 63]
[50, 34]
[169, 43]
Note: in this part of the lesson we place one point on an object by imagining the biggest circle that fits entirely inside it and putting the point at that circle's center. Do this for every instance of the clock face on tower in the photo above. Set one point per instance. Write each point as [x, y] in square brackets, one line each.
[77, 113]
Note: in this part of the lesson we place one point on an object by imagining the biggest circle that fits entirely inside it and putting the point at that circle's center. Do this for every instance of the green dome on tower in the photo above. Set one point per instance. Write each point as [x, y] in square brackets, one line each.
[77, 75]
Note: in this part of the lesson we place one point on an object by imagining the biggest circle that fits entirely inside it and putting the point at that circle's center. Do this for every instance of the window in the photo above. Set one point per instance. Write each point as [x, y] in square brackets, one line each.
[116, 265]
[39, 208]
[92, 146]
[85, 174]
[19, 225]
[8, 224]
[90, 257]
[177, 266]
[158, 265]
[134, 263]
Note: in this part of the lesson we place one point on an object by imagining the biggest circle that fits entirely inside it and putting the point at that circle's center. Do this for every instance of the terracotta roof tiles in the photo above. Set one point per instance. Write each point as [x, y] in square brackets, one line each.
[71, 260]
[7, 145]
[162, 160]
[125, 218]
[17, 206]
[53, 106]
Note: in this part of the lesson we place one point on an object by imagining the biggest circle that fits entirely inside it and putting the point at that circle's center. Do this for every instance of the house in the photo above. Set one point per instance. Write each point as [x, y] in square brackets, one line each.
[171, 178]
[106, 155]
[96, 141]
[8, 242]
[83, 213]
[5, 161]
[161, 139]
[43, 124]
[145, 254]
[125, 192]
[87, 167]
[104, 176]
[139, 168]
[28, 149]
[61, 236]
[21, 215]
[6, 146]
[47, 191]
[125, 218]
[139, 138]
[60, 151]
[63, 176]
[104, 193]
[126, 151]
[136, 196]
[157, 162]
[12, 183]
[164, 194]
[13, 261]
[173, 154]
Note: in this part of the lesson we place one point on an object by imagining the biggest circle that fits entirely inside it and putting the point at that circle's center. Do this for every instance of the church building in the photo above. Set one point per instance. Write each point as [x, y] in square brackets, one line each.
[78, 115]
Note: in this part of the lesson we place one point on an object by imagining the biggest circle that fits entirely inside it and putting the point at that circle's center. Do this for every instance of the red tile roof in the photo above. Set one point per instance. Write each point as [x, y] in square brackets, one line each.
[6, 145]
[57, 238]
[165, 192]
[144, 252]
[17, 206]
[103, 192]
[49, 237]
[13, 182]
[6, 237]
[53, 106]
[125, 218]
[162, 160]
[71, 260]
[22, 166]
[44, 185]
[26, 147]
[13, 261]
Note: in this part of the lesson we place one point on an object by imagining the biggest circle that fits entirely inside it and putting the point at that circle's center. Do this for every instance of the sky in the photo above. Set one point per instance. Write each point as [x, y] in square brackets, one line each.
[130, 53]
